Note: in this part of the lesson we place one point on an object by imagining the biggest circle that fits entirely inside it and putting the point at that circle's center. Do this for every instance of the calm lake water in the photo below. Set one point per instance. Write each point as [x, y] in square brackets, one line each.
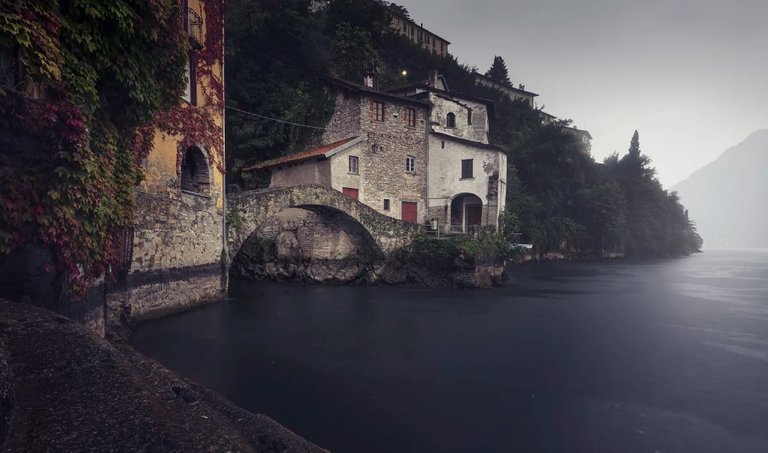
[667, 356]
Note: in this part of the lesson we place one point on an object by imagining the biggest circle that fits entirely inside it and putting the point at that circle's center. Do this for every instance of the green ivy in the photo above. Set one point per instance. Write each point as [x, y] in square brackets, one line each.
[99, 79]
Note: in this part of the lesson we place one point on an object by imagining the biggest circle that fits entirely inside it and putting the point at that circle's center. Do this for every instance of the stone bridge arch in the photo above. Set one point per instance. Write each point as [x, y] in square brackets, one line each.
[249, 210]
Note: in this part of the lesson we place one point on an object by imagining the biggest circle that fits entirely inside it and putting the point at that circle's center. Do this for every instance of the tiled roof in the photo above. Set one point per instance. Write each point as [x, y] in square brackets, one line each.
[320, 151]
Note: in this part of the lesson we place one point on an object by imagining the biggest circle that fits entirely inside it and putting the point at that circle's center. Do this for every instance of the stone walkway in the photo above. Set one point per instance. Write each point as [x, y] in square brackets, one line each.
[64, 389]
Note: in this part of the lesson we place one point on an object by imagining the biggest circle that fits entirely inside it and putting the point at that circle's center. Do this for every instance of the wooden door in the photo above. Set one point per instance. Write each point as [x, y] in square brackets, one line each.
[474, 215]
[350, 192]
[409, 211]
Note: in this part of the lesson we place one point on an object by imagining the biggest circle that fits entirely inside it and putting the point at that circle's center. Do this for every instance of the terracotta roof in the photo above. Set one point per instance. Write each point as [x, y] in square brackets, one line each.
[362, 88]
[320, 151]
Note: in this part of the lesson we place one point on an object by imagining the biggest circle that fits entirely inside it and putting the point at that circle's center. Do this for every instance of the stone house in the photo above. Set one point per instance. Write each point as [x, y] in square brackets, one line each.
[173, 255]
[375, 151]
[514, 94]
[466, 175]
[583, 136]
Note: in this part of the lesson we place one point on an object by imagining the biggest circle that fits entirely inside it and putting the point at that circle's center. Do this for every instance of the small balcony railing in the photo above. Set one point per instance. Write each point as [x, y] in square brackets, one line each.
[195, 27]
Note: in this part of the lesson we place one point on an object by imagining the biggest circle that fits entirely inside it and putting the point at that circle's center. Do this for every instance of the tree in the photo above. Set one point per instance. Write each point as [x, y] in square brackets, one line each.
[634, 145]
[498, 72]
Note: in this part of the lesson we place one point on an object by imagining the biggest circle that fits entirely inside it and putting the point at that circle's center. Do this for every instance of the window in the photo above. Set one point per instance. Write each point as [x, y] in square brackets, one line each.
[353, 164]
[190, 74]
[469, 117]
[451, 120]
[378, 113]
[466, 168]
[194, 171]
[386, 204]
[411, 117]
[350, 192]
[442, 144]
[124, 240]
[410, 164]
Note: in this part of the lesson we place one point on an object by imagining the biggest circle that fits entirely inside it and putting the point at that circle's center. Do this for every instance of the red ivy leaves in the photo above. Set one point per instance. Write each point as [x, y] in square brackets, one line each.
[74, 189]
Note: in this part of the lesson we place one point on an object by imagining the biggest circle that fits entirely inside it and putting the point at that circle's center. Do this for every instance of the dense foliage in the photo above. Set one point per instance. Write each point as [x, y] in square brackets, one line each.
[563, 200]
[95, 81]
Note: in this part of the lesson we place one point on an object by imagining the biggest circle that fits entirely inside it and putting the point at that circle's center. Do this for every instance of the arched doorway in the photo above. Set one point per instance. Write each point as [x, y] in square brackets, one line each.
[466, 212]
[195, 175]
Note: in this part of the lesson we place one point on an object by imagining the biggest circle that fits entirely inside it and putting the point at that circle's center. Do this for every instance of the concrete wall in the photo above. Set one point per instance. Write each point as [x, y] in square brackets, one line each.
[442, 105]
[308, 172]
[445, 182]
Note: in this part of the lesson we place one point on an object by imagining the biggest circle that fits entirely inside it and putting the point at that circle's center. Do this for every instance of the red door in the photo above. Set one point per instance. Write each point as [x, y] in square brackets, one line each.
[409, 211]
[350, 192]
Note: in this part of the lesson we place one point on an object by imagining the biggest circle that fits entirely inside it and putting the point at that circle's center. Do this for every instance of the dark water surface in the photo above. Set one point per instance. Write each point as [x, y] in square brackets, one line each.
[667, 356]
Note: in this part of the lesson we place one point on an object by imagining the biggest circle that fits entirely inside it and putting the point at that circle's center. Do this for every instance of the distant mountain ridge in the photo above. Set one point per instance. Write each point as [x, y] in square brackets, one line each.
[728, 198]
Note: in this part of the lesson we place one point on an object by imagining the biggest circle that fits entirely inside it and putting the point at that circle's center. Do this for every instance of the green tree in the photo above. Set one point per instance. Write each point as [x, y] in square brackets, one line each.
[498, 72]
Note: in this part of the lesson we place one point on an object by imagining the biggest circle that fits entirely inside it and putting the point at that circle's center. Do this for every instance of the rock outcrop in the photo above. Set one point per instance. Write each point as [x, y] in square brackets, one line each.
[64, 389]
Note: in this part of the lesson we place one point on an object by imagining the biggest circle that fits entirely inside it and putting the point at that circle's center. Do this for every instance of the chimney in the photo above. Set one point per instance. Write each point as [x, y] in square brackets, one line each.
[368, 79]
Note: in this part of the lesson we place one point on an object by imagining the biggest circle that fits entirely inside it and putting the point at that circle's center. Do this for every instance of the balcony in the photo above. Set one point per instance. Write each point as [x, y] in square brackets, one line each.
[194, 24]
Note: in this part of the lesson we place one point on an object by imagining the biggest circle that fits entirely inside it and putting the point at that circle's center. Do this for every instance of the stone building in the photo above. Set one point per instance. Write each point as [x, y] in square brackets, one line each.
[420, 35]
[584, 137]
[514, 94]
[173, 254]
[376, 151]
[466, 175]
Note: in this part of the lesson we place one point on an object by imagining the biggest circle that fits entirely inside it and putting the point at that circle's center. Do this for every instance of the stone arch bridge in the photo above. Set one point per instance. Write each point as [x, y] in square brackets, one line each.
[249, 210]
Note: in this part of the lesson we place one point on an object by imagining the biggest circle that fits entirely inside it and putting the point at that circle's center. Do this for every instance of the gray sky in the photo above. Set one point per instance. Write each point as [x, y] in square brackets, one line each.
[690, 75]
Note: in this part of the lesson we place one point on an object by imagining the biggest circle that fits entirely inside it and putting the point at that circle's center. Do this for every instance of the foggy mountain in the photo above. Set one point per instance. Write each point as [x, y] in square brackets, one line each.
[728, 198]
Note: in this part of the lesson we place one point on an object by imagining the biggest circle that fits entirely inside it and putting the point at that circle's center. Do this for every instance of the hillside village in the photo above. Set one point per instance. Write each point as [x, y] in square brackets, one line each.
[346, 146]
[360, 102]
[455, 181]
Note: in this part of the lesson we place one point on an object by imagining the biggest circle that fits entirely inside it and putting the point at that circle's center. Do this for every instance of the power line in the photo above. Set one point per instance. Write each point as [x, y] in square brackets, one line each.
[273, 119]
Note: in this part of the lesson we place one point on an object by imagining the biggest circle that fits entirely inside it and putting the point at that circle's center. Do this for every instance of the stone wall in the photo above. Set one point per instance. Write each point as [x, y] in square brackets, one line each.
[444, 104]
[322, 246]
[178, 244]
[390, 142]
[346, 119]
[383, 152]
[249, 210]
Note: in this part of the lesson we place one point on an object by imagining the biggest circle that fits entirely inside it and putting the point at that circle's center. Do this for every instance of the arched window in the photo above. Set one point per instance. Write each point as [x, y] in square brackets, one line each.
[195, 176]
[450, 120]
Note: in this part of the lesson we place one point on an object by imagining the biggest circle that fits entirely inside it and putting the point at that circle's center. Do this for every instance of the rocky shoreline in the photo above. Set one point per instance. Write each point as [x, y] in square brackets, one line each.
[62, 388]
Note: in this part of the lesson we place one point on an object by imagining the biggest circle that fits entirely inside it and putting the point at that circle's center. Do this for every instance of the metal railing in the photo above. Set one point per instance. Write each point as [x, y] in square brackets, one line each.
[195, 27]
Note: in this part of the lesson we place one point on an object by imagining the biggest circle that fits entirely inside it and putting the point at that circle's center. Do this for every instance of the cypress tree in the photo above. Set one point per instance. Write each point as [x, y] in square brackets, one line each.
[634, 145]
[498, 72]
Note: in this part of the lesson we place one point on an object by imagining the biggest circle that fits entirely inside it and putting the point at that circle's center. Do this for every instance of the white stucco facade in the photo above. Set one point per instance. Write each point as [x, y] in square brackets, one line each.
[488, 181]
